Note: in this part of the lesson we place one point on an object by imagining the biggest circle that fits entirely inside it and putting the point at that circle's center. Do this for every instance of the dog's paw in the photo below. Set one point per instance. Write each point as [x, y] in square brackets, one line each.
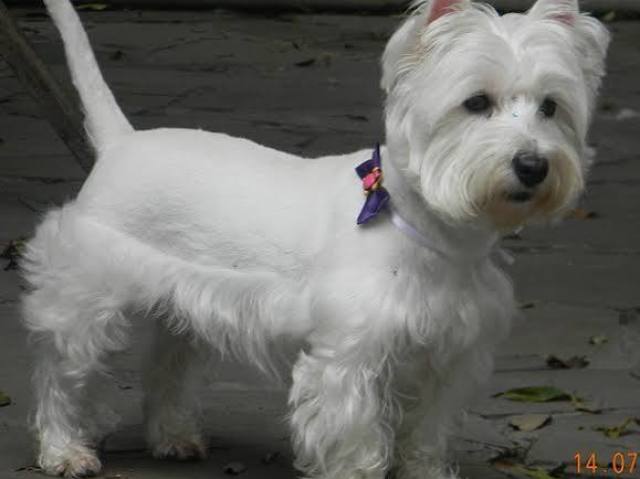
[192, 449]
[75, 464]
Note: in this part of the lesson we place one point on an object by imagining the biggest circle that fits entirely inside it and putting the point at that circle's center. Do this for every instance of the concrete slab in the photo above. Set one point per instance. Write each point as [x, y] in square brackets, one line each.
[566, 331]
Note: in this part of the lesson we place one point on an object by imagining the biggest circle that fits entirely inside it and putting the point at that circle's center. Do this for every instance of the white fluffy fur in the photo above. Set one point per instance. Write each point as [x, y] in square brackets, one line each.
[234, 245]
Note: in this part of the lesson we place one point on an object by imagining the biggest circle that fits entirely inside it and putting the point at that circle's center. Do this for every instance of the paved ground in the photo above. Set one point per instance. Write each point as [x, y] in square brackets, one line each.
[307, 84]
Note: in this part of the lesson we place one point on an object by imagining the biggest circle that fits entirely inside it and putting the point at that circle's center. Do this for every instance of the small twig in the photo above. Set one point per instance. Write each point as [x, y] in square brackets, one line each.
[58, 104]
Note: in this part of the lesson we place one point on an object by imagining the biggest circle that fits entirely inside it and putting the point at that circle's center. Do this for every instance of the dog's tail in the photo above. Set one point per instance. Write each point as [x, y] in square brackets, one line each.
[104, 120]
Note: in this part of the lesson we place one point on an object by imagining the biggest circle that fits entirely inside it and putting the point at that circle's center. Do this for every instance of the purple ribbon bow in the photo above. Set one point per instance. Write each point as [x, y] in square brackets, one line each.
[370, 173]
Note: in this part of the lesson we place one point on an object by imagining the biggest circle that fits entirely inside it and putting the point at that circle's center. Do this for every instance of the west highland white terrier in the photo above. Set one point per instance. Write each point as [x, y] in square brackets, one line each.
[229, 244]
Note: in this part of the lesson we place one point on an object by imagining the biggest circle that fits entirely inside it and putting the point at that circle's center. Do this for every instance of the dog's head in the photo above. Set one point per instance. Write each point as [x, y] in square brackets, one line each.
[487, 114]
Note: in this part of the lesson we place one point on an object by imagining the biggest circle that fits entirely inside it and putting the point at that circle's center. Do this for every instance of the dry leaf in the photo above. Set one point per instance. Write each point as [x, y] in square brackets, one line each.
[589, 407]
[234, 468]
[535, 394]
[117, 55]
[96, 7]
[326, 58]
[582, 214]
[12, 252]
[574, 362]
[305, 63]
[529, 422]
[28, 469]
[598, 340]
[614, 432]
[512, 237]
[356, 117]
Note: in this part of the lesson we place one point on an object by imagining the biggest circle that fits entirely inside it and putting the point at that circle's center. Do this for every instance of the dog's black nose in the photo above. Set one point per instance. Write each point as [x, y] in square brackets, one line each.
[530, 168]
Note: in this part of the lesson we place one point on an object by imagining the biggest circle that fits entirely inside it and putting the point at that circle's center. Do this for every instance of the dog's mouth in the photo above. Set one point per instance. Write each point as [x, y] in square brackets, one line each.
[522, 196]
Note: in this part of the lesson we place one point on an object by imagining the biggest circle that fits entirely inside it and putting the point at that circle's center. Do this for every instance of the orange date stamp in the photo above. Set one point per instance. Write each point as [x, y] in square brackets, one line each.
[618, 463]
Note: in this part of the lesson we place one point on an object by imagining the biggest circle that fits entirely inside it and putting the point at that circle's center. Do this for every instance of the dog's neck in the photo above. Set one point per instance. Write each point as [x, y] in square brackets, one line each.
[459, 242]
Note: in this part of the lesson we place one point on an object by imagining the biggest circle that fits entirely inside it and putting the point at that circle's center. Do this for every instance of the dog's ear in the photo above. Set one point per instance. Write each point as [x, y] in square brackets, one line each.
[405, 39]
[565, 11]
[397, 48]
[439, 8]
[590, 37]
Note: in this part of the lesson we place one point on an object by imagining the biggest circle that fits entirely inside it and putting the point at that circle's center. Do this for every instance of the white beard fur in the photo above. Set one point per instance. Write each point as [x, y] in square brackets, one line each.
[243, 248]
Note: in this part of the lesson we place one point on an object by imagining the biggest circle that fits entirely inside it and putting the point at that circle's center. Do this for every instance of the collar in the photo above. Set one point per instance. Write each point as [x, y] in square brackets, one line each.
[370, 172]
[379, 200]
[409, 230]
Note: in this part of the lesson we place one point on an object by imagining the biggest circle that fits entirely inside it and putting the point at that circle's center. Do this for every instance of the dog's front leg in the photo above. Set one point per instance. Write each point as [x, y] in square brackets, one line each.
[338, 418]
[421, 437]
[429, 416]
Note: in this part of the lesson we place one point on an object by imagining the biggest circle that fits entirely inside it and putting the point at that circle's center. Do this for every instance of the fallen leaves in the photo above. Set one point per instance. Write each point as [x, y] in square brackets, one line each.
[325, 58]
[535, 394]
[95, 7]
[117, 55]
[574, 362]
[515, 236]
[545, 394]
[356, 117]
[529, 422]
[35, 469]
[12, 252]
[615, 432]
[598, 340]
[305, 63]
[5, 400]
[627, 114]
[588, 407]
[234, 468]
[582, 214]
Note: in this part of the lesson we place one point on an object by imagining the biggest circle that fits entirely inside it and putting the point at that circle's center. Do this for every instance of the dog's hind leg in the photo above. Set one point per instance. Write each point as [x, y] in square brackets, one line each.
[72, 331]
[171, 407]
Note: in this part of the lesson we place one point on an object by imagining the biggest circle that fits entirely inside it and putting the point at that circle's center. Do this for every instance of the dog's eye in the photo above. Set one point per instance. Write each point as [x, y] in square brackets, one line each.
[548, 107]
[478, 103]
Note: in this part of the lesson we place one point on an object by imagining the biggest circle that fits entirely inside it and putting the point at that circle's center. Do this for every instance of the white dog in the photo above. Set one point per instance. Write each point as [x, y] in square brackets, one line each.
[241, 247]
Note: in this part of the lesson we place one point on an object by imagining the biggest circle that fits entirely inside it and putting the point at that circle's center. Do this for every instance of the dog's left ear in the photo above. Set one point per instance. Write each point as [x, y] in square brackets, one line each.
[565, 11]
[591, 36]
